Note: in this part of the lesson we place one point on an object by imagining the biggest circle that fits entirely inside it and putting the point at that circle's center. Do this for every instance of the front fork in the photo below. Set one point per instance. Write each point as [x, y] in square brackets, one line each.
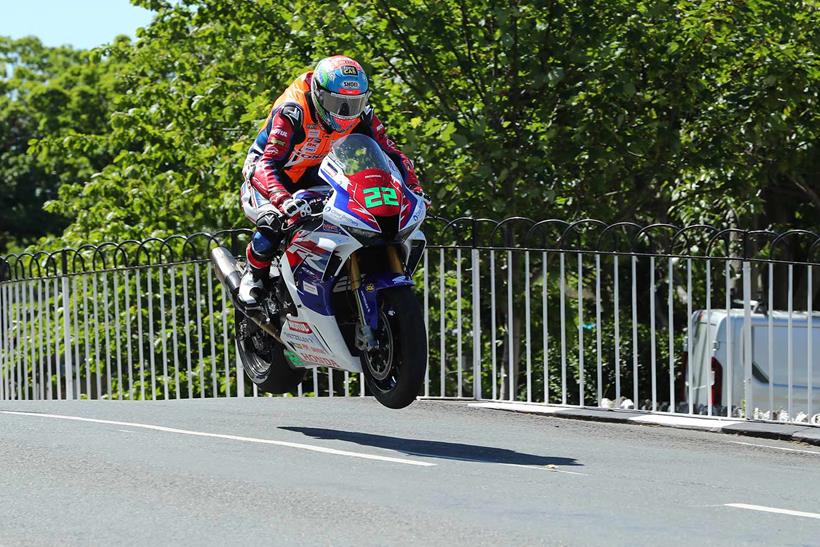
[366, 302]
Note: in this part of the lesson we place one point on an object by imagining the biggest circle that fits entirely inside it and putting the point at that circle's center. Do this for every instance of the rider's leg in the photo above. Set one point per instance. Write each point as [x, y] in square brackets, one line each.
[263, 245]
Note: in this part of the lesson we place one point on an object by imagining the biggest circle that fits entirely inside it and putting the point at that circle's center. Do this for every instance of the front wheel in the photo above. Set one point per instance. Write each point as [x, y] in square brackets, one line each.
[263, 359]
[394, 372]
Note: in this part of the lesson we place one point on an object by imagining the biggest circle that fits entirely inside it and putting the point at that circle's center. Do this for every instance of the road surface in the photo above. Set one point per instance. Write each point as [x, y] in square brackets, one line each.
[347, 471]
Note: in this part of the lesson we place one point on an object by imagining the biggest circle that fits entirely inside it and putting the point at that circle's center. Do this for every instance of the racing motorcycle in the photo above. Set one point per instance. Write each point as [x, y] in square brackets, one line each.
[340, 295]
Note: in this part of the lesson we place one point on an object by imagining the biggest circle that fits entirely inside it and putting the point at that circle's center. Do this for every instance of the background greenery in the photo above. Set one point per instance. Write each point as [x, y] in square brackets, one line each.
[642, 110]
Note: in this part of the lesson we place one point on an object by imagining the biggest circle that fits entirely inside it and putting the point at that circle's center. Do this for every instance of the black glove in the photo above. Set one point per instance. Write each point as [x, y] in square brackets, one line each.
[420, 193]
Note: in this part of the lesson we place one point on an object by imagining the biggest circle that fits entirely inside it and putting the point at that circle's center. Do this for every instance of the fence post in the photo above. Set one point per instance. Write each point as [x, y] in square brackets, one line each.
[476, 317]
[747, 340]
[4, 343]
[69, 365]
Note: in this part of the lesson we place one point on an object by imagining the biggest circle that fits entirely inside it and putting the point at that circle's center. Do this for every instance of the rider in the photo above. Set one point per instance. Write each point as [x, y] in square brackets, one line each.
[318, 108]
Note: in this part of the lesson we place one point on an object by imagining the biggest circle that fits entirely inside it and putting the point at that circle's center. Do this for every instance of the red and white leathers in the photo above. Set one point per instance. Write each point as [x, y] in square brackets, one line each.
[284, 158]
[293, 142]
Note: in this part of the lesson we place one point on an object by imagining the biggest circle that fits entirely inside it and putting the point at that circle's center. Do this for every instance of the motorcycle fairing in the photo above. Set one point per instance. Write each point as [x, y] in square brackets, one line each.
[312, 296]
[312, 335]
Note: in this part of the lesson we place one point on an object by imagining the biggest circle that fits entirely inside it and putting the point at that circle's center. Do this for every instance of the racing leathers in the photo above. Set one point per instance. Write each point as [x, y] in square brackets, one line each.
[285, 157]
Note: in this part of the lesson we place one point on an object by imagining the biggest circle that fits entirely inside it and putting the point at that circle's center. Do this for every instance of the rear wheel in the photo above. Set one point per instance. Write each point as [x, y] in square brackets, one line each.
[263, 359]
[394, 372]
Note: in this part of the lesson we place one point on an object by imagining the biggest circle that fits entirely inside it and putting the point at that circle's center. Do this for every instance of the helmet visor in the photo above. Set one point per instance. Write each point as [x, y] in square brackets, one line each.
[343, 106]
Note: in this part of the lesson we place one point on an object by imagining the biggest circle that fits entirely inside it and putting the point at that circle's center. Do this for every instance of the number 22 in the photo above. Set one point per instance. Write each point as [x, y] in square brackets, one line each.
[374, 197]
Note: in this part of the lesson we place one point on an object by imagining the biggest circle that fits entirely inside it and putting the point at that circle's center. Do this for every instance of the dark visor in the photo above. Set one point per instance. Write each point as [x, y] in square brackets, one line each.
[343, 106]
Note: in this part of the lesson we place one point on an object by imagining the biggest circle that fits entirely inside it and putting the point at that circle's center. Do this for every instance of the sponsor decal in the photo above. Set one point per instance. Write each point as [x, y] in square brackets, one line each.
[330, 228]
[293, 358]
[310, 287]
[278, 141]
[279, 131]
[291, 337]
[305, 155]
[308, 347]
[312, 144]
[349, 70]
[319, 360]
[350, 84]
[370, 287]
[299, 326]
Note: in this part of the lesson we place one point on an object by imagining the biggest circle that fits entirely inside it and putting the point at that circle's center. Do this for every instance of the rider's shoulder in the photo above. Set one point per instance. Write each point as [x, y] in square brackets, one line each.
[293, 111]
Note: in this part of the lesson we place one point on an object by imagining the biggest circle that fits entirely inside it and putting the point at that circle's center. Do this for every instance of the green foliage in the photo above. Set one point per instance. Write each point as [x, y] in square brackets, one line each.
[43, 91]
[648, 111]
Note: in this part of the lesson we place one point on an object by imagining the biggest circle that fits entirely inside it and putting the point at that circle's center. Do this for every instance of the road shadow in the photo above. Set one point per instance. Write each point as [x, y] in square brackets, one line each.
[434, 449]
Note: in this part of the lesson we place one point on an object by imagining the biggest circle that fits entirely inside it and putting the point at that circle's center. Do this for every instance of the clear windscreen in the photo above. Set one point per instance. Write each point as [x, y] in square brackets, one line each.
[355, 153]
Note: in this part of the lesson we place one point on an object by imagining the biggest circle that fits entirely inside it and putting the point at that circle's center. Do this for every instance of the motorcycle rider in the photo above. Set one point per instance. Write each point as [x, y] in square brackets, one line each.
[317, 109]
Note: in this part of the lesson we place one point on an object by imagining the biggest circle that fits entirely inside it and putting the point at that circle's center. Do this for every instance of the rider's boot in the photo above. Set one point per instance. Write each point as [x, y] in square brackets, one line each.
[251, 287]
[252, 284]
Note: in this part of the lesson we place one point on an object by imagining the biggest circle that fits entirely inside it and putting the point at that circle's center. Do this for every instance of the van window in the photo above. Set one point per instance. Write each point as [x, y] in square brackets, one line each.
[780, 340]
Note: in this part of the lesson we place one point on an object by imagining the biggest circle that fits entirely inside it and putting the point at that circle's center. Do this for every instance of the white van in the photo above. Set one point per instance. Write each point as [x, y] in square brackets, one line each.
[710, 351]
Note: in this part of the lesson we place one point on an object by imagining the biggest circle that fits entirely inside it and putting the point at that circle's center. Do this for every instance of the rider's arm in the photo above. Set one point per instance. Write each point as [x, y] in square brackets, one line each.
[282, 133]
[374, 128]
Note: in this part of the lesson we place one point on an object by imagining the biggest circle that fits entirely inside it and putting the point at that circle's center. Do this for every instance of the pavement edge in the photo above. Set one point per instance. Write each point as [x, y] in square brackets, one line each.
[786, 432]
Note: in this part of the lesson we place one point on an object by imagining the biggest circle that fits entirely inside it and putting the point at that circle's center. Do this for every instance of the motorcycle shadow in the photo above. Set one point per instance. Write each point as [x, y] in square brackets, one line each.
[435, 449]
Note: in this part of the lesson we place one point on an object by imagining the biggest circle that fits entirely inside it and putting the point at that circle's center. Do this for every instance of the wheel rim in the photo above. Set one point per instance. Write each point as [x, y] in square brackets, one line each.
[252, 359]
[381, 363]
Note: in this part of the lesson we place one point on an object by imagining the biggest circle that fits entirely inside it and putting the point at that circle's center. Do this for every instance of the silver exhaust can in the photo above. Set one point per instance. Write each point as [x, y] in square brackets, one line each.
[226, 268]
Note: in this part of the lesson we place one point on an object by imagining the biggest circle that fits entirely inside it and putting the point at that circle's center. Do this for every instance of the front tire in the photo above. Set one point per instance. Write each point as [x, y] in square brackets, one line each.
[394, 373]
[263, 359]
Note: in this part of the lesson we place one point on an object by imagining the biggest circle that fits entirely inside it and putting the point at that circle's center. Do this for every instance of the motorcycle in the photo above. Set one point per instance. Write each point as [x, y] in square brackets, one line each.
[341, 295]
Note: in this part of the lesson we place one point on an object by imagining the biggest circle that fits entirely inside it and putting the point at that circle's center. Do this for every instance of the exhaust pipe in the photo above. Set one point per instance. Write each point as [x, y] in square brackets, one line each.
[226, 268]
[229, 274]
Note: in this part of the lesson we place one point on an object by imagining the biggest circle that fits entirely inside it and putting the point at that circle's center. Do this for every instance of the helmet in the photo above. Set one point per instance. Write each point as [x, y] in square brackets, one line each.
[339, 91]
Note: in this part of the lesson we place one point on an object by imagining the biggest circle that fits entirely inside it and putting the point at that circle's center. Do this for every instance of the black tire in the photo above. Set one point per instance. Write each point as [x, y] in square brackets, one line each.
[268, 369]
[397, 383]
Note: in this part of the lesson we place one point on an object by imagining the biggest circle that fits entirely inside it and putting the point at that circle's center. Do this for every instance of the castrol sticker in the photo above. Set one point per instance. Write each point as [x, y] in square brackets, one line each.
[299, 326]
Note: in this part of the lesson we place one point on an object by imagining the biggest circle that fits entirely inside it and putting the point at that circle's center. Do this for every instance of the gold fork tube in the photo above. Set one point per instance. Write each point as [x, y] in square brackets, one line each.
[393, 260]
[353, 271]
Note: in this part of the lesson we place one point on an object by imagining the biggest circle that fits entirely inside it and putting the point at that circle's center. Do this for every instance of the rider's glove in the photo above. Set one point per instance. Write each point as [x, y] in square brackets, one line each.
[420, 193]
[294, 208]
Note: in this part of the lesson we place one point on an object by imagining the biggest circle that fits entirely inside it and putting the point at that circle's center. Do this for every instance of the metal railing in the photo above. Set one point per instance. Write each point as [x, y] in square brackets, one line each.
[658, 317]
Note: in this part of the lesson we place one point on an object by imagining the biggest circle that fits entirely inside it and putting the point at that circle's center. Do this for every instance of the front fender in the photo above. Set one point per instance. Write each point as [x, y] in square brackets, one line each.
[386, 280]
[371, 285]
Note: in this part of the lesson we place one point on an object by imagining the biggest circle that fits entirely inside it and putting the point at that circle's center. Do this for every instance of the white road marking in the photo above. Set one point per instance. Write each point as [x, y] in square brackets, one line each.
[777, 447]
[546, 468]
[301, 446]
[773, 510]
[124, 431]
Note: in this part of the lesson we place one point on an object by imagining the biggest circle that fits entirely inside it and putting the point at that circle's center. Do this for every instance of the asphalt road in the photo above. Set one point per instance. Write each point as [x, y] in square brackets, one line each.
[338, 472]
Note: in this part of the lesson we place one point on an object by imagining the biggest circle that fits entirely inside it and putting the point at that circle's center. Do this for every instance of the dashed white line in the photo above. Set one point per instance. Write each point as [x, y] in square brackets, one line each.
[776, 447]
[312, 448]
[765, 509]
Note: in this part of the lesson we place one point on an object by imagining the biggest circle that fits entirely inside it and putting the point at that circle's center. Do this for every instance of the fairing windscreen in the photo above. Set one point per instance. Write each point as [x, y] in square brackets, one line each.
[356, 153]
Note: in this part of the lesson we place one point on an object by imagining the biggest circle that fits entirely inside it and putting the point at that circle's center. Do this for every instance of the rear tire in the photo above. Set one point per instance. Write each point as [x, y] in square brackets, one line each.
[263, 359]
[395, 374]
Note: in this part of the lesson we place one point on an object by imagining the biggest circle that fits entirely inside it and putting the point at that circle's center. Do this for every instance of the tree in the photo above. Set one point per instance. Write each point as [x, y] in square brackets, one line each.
[647, 111]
